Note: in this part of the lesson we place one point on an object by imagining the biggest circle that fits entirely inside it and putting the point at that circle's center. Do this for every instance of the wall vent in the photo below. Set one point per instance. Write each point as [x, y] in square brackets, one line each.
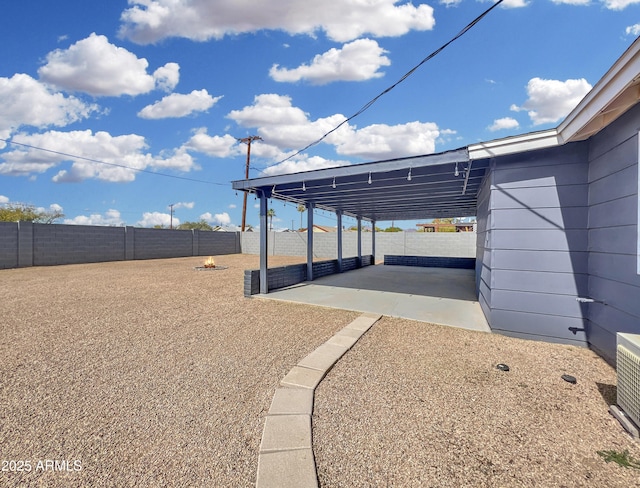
[628, 366]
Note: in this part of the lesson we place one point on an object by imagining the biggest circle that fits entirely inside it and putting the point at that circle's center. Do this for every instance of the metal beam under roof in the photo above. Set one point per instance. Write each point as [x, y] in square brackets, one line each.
[400, 189]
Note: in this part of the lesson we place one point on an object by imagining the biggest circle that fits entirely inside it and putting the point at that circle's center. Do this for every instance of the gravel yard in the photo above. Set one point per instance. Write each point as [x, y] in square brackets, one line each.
[414, 404]
[148, 373]
[143, 373]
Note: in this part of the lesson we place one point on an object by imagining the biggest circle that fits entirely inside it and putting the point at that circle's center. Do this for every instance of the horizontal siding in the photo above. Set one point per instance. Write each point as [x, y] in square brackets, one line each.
[613, 234]
[539, 282]
[539, 244]
[539, 303]
[542, 327]
[540, 218]
[536, 239]
[542, 197]
[544, 260]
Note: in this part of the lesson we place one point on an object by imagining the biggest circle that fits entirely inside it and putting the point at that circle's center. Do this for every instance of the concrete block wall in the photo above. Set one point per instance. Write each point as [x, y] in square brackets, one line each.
[25, 244]
[430, 261]
[454, 244]
[8, 245]
[293, 274]
[74, 244]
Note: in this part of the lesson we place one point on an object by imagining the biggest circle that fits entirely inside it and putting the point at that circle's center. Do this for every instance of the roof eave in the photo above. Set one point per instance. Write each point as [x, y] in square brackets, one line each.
[616, 92]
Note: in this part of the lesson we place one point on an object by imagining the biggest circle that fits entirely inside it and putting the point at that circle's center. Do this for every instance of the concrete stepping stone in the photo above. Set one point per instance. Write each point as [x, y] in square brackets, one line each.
[292, 401]
[287, 469]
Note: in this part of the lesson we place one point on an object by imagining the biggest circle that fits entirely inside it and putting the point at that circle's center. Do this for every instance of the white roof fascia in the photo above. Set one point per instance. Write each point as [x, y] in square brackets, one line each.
[616, 92]
[515, 144]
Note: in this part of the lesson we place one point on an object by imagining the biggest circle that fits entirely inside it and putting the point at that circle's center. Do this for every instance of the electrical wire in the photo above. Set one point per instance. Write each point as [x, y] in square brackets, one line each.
[367, 105]
[97, 161]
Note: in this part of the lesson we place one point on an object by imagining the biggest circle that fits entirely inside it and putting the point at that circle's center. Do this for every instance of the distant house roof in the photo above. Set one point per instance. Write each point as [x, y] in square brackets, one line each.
[321, 228]
[447, 184]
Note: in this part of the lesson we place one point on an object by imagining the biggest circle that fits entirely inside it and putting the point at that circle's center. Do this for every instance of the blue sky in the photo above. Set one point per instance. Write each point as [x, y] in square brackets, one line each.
[159, 91]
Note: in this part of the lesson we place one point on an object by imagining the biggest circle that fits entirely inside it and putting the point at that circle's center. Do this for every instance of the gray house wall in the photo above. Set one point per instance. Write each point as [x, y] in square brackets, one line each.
[532, 244]
[613, 234]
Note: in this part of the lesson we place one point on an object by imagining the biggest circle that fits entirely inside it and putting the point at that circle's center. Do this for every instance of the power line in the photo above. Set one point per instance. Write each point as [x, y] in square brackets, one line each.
[97, 161]
[367, 105]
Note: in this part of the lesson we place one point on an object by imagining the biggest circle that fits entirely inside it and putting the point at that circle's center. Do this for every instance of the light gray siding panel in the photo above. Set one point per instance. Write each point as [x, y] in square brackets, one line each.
[613, 233]
[615, 159]
[616, 294]
[540, 218]
[539, 176]
[541, 260]
[620, 184]
[542, 327]
[542, 197]
[539, 303]
[617, 240]
[540, 282]
[550, 240]
[614, 213]
[617, 267]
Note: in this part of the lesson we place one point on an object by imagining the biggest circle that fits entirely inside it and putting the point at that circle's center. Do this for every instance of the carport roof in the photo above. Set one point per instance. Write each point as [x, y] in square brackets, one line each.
[399, 189]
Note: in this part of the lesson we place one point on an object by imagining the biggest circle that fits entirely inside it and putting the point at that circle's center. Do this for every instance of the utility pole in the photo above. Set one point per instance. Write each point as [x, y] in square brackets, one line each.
[247, 141]
[171, 224]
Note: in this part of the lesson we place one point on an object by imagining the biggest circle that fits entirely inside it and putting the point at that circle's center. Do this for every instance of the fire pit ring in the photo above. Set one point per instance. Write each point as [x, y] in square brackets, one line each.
[210, 268]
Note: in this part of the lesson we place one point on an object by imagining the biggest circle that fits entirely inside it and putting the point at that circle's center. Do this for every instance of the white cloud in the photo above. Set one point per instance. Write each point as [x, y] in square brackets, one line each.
[450, 3]
[504, 123]
[167, 76]
[217, 146]
[183, 205]
[95, 66]
[284, 127]
[572, 2]
[123, 155]
[356, 61]
[179, 105]
[27, 102]
[4, 199]
[110, 218]
[151, 219]
[217, 219]
[281, 124]
[551, 100]
[149, 21]
[301, 163]
[231, 205]
[619, 4]
[514, 3]
[633, 30]
[390, 141]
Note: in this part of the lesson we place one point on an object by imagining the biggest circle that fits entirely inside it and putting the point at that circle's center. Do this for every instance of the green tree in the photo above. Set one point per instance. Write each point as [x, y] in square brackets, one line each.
[271, 213]
[301, 209]
[393, 229]
[200, 225]
[14, 212]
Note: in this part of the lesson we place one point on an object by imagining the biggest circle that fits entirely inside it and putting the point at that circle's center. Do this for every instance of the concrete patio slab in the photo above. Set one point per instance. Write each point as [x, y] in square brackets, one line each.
[300, 377]
[287, 469]
[435, 295]
[292, 401]
[286, 432]
[323, 357]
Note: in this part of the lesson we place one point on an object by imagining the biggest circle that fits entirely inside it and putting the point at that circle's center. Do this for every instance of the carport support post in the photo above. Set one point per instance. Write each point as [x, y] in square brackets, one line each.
[373, 240]
[264, 234]
[359, 241]
[310, 241]
[339, 215]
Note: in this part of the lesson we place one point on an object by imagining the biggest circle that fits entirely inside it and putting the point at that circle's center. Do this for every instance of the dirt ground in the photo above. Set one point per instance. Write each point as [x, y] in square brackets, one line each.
[149, 373]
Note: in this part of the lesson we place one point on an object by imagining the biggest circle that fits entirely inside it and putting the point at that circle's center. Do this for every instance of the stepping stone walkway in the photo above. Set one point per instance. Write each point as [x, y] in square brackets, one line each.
[286, 453]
